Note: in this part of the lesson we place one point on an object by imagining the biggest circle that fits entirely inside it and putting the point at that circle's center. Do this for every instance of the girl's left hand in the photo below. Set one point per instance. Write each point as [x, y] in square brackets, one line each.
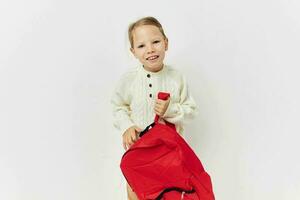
[161, 106]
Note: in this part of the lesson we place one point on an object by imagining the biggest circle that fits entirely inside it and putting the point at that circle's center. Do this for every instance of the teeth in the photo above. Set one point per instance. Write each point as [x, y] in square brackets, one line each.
[152, 57]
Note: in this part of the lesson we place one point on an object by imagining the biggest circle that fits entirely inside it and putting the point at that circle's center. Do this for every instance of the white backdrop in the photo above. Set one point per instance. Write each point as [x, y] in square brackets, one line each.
[60, 59]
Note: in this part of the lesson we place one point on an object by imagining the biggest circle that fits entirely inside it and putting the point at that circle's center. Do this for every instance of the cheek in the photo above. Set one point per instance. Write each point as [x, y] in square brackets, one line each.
[139, 54]
[161, 47]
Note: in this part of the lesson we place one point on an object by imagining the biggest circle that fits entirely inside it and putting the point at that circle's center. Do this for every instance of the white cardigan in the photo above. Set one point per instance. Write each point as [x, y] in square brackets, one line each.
[134, 98]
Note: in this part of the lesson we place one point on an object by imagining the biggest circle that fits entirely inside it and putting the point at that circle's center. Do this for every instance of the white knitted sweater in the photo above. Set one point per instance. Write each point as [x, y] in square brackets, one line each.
[134, 98]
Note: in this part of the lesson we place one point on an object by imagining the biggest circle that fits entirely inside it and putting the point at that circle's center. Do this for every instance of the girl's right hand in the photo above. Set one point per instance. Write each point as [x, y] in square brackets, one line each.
[130, 136]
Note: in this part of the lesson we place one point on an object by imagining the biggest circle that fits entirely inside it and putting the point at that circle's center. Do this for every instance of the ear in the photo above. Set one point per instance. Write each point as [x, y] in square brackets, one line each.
[167, 43]
[132, 51]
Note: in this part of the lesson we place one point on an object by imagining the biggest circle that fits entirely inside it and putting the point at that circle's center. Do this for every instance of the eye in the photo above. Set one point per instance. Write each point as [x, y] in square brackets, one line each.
[156, 41]
[141, 46]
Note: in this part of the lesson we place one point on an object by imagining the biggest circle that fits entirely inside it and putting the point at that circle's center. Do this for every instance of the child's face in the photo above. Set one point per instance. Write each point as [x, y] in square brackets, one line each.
[149, 46]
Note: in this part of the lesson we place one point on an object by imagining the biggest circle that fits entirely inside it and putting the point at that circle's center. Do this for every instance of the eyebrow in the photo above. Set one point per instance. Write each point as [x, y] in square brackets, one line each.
[156, 38]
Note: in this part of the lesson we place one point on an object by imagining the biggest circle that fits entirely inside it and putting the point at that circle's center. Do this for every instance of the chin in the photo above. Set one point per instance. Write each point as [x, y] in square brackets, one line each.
[155, 68]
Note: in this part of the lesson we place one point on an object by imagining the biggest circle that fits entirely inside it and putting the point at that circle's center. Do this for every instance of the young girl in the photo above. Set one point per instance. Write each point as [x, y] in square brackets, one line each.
[134, 101]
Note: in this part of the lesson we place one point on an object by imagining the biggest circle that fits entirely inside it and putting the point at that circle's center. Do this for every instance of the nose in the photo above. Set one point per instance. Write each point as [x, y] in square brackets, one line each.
[150, 49]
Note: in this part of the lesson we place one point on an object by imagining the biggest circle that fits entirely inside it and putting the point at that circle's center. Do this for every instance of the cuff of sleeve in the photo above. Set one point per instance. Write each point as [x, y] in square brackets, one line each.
[125, 125]
[171, 110]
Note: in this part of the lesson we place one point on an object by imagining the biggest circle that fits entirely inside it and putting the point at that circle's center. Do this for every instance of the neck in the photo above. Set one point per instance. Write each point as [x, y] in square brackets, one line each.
[153, 70]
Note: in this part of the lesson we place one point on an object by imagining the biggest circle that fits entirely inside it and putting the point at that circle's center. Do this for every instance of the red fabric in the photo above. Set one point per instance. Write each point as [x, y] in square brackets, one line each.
[160, 160]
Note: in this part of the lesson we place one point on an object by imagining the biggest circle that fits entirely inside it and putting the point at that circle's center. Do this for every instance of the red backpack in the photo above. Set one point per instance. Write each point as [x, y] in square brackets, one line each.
[162, 166]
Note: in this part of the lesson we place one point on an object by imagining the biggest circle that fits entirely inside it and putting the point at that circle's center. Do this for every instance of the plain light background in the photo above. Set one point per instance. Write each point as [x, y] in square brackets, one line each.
[60, 60]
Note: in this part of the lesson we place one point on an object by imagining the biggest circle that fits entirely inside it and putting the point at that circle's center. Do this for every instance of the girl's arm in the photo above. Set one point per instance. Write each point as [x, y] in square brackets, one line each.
[120, 107]
[184, 110]
[121, 116]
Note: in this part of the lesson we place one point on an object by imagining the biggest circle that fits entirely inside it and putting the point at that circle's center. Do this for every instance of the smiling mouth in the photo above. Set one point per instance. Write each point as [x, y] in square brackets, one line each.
[152, 58]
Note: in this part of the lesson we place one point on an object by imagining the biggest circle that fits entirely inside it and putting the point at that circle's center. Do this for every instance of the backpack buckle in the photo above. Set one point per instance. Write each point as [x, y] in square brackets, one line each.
[182, 195]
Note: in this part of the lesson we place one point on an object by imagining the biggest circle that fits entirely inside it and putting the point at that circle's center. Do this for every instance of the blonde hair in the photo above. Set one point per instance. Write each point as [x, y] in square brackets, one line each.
[144, 21]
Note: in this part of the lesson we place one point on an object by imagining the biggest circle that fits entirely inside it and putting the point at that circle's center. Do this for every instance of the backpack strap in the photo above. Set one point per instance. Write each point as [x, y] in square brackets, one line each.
[174, 189]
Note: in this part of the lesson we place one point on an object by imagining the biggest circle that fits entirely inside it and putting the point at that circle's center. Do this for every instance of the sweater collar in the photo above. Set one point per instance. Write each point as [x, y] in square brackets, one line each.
[142, 69]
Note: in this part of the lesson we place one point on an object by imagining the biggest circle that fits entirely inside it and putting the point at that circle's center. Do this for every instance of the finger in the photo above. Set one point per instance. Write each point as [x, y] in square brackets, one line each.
[160, 102]
[130, 142]
[124, 140]
[138, 129]
[161, 120]
[157, 102]
[156, 110]
[159, 110]
[158, 113]
[134, 137]
[124, 145]
[160, 107]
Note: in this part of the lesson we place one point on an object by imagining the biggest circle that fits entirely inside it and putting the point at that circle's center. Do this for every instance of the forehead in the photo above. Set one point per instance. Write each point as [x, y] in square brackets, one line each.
[146, 32]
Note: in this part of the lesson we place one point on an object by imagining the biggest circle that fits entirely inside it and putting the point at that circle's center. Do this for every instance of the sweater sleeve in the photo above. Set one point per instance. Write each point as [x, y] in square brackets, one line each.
[184, 110]
[121, 107]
